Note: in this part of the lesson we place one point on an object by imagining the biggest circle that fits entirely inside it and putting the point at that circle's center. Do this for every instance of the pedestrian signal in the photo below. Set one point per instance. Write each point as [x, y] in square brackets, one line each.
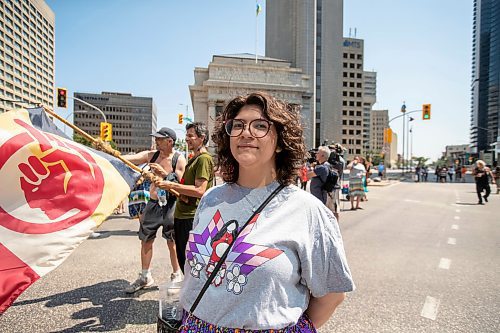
[106, 132]
[180, 118]
[426, 112]
[62, 97]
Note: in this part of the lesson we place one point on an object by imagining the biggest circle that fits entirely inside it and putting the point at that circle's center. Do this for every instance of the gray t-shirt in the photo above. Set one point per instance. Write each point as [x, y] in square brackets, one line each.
[291, 250]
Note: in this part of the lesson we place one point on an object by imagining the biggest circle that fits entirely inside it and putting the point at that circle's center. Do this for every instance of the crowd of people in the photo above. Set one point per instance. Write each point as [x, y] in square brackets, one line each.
[217, 234]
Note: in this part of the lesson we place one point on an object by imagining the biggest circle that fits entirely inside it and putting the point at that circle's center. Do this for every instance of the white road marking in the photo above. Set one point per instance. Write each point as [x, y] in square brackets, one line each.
[444, 263]
[456, 217]
[430, 308]
[455, 226]
[452, 241]
[457, 210]
[410, 200]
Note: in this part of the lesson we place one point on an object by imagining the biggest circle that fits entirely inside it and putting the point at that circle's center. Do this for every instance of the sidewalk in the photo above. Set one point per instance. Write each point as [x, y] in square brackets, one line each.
[384, 182]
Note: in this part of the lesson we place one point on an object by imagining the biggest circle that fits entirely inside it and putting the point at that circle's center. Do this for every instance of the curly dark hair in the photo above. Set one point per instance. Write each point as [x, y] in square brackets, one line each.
[286, 119]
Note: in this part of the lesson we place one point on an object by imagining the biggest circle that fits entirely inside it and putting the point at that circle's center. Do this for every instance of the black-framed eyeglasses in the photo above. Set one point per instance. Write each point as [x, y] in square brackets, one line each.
[258, 127]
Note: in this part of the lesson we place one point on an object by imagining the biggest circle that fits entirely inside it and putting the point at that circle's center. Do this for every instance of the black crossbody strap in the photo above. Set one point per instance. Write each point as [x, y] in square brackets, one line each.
[224, 256]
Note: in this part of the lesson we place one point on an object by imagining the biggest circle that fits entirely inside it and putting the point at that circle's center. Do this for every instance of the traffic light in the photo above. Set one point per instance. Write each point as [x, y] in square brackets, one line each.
[387, 135]
[180, 118]
[62, 97]
[106, 132]
[426, 112]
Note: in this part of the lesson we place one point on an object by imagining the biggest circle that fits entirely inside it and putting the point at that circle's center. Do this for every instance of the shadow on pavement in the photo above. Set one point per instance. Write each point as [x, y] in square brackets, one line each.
[466, 203]
[107, 307]
[106, 233]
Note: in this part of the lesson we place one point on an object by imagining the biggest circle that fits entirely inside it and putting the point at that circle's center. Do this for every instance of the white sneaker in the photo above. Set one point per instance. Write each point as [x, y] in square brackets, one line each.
[176, 277]
[140, 283]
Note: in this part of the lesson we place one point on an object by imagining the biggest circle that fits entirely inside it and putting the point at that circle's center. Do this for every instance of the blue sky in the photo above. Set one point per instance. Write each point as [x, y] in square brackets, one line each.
[421, 51]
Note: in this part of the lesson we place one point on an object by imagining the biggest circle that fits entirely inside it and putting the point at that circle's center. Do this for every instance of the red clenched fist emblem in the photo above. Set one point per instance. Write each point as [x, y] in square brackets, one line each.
[59, 179]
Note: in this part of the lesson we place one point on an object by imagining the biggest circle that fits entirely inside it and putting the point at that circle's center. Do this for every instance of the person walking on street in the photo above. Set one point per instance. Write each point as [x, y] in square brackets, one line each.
[282, 265]
[356, 173]
[197, 179]
[481, 173]
[164, 163]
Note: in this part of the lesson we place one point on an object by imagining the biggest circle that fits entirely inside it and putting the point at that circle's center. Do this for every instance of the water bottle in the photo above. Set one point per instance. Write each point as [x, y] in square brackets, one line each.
[170, 310]
[162, 197]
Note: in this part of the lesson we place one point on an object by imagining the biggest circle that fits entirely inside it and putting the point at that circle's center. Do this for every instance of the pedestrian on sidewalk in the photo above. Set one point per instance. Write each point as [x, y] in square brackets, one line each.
[196, 180]
[458, 173]
[425, 173]
[356, 173]
[164, 162]
[464, 172]
[451, 172]
[381, 170]
[481, 175]
[287, 270]
[496, 173]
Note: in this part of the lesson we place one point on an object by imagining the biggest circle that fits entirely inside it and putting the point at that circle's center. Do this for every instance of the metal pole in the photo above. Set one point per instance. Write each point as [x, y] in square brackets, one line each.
[408, 156]
[92, 106]
[411, 147]
[404, 131]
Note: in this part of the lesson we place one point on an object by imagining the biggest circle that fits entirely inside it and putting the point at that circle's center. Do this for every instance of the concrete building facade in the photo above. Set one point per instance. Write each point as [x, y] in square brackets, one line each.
[27, 54]
[352, 96]
[369, 99]
[133, 118]
[307, 33]
[228, 76]
[379, 120]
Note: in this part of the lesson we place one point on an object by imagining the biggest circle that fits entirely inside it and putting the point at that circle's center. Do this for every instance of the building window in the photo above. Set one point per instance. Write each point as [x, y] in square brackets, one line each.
[344, 84]
[345, 55]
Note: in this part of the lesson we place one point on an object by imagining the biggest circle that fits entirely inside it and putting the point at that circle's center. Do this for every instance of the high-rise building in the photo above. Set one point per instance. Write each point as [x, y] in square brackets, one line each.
[485, 104]
[369, 99]
[133, 118]
[352, 96]
[379, 120]
[26, 54]
[307, 33]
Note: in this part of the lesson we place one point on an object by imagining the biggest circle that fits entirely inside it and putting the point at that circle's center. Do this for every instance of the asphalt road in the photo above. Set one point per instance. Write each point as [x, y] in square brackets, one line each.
[424, 257]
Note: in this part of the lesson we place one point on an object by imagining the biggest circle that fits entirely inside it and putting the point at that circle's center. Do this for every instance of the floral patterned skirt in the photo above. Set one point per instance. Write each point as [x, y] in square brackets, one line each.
[192, 324]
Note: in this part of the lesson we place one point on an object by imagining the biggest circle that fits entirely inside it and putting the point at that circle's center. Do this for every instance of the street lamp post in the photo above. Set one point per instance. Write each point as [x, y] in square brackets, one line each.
[92, 106]
[403, 109]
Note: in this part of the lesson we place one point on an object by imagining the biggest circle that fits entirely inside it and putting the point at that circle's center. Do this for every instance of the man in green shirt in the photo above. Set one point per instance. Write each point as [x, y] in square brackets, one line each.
[197, 179]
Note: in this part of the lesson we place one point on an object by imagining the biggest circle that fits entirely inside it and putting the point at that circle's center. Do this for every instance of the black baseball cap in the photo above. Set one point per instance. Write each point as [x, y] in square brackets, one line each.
[165, 132]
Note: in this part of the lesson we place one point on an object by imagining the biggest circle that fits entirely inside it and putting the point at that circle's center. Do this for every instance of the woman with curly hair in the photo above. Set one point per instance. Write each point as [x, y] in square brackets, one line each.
[283, 269]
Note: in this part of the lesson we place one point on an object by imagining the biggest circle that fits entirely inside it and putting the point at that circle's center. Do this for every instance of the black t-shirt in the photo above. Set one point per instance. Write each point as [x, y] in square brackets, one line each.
[480, 176]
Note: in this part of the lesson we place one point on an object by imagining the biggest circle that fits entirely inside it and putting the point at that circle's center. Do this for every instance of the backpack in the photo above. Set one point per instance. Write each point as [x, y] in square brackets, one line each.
[139, 196]
[331, 180]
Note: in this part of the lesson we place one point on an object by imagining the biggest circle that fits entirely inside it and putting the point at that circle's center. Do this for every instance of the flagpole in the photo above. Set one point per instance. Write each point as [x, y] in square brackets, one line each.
[107, 149]
[256, 27]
